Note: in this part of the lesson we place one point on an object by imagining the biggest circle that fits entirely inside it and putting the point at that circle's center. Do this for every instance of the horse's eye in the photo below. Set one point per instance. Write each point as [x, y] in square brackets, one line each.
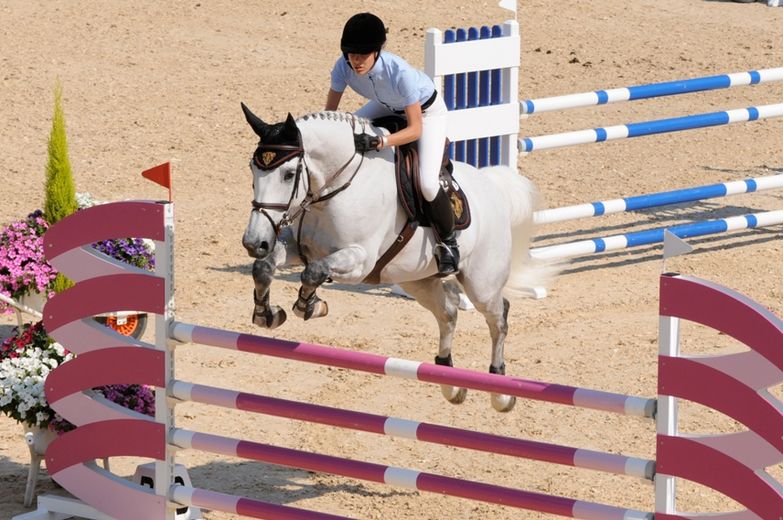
[288, 176]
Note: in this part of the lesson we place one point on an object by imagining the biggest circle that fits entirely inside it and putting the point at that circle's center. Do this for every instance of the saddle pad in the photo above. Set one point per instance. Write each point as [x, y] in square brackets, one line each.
[406, 160]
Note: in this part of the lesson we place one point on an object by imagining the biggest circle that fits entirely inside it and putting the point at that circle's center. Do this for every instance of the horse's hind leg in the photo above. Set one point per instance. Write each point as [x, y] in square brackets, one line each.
[494, 308]
[442, 301]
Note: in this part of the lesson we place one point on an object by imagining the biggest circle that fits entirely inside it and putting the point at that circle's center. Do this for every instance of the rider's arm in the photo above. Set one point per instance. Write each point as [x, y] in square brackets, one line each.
[333, 99]
[411, 132]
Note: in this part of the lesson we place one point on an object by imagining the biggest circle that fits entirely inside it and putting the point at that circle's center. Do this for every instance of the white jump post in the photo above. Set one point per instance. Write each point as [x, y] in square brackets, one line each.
[476, 70]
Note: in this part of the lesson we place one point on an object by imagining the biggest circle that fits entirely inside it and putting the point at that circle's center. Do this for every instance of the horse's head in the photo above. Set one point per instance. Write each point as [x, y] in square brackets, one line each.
[295, 164]
[277, 178]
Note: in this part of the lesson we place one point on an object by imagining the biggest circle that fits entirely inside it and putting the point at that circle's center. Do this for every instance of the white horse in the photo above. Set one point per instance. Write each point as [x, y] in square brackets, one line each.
[337, 212]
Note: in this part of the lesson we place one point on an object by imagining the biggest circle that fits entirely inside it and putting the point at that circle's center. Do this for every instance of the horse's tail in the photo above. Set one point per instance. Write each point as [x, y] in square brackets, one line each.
[527, 274]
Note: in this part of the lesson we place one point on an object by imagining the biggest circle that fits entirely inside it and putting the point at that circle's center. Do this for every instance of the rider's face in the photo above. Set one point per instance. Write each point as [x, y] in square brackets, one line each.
[361, 63]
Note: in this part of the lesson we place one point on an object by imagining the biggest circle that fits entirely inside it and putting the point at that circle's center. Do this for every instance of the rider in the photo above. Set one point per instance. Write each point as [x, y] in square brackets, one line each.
[392, 86]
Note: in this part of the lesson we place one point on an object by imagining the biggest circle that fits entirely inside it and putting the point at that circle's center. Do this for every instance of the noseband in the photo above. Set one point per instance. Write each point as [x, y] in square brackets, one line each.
[269, 157]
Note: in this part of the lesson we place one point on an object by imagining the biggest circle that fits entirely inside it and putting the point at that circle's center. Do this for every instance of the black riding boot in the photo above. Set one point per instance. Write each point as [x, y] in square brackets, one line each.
[446, 250]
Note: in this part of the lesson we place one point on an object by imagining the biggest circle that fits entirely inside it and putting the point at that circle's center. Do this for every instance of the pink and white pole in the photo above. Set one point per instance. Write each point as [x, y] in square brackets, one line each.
[415, 370]
[402, 477]
[422, 431]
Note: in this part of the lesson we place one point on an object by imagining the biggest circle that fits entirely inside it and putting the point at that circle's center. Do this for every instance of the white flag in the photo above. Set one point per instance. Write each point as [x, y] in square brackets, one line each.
[511, 5]
[674, 245]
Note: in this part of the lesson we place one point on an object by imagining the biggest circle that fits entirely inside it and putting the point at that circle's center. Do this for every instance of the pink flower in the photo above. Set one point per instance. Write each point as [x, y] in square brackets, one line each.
[23, 267]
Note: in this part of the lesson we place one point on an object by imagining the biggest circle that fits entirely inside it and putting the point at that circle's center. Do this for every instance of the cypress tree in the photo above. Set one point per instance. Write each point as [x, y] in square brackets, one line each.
[60, 199]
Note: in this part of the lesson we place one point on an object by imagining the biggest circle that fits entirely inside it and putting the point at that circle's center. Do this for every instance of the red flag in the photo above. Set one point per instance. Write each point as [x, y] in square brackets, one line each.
[160, 174]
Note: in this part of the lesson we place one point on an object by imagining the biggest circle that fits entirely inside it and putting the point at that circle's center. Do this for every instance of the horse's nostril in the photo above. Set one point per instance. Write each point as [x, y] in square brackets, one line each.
[264, 246]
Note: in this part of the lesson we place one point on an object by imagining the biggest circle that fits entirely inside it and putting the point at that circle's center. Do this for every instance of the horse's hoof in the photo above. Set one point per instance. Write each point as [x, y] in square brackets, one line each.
[503, 403]
[270, 318]
[314, 308]
[453, 394]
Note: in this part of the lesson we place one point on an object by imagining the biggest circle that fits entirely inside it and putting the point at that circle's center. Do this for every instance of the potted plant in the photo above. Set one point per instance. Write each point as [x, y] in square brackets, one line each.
[24, 273]
[26, 358]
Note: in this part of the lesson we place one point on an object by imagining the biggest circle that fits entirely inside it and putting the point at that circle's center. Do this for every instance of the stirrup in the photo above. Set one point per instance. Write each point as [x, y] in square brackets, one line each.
[447, 260]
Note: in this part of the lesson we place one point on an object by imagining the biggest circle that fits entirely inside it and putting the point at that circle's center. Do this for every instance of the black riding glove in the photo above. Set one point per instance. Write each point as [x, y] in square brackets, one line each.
[366, 142]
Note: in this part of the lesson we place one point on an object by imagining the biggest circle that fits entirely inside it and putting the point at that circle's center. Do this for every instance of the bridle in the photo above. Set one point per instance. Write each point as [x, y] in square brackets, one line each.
[270, 156]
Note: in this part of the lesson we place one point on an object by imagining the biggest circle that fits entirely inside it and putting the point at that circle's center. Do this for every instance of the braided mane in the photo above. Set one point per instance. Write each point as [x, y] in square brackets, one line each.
[331, 115]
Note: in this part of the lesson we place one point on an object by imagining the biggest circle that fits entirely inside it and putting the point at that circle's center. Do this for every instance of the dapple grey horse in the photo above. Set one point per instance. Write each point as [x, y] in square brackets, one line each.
[320, 203]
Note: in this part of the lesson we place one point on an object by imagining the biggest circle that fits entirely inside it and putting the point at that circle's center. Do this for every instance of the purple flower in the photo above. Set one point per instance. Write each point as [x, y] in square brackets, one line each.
[133, 251]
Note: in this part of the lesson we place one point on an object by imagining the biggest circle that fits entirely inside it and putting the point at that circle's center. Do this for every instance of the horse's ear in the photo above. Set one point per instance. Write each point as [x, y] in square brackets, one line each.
[290, 130]
[254, 121]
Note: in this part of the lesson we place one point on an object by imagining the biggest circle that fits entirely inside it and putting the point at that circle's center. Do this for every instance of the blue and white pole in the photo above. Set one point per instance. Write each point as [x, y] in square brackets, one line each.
[654, 236]
[667, 88]
[659, 126]
[652, 200]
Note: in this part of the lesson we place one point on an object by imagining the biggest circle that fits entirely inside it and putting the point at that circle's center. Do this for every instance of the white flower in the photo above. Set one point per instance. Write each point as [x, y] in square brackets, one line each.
[85, 200]
[22, 382]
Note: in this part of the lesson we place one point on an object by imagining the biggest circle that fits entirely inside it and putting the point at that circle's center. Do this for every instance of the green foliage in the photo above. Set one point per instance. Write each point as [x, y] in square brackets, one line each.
[60, 199]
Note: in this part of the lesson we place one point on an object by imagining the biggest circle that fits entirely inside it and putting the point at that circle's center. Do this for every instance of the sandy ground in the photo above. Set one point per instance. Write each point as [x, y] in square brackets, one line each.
[150, 82]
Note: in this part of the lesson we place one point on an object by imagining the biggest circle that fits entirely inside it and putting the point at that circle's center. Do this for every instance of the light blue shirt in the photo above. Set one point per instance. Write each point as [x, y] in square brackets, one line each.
[391, 82]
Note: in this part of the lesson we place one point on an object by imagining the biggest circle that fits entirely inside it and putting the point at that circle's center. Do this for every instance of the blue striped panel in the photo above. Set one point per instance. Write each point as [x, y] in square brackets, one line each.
[603, 97]
[752, 221]
[461, 90]
[753, 112]
[598, 208]
[755, 77]
[472, 94]
[496, 98]
[600, 135]
[528, 144]
[484, 100]
[600, 245]
[750, 186]
[449, 85]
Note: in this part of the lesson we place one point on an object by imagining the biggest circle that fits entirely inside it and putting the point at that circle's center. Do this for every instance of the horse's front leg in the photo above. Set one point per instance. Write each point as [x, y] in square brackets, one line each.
[346, 264]
[264, 314]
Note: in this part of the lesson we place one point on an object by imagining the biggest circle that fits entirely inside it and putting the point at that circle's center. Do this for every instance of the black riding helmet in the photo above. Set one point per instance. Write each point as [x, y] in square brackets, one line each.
[363, 33]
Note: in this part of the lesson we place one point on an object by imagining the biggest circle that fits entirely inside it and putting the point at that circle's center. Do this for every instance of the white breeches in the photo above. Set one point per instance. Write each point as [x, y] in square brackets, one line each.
[431, 142]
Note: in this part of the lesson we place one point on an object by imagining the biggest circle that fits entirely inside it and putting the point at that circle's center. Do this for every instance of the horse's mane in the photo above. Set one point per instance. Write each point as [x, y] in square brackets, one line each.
[331, 115]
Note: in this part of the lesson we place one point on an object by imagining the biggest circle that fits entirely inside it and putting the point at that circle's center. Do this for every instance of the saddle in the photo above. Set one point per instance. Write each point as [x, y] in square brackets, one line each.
[406, 172]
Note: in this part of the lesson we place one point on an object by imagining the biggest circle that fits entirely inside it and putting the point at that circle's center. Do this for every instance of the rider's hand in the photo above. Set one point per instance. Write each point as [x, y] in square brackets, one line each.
[366, 142]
